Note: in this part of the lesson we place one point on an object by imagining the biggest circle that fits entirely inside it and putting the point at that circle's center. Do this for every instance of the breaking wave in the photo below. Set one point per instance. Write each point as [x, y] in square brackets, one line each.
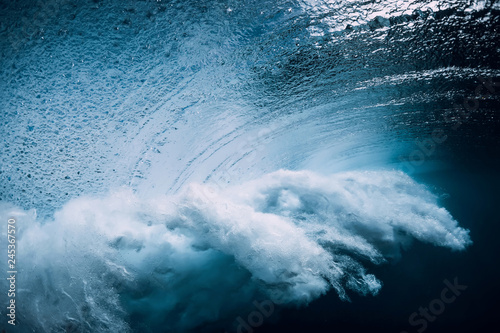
[171, 162]
[200, 257]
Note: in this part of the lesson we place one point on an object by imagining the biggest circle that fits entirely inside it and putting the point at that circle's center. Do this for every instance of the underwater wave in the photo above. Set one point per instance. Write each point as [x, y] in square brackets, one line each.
[171, 162]
[182, 262]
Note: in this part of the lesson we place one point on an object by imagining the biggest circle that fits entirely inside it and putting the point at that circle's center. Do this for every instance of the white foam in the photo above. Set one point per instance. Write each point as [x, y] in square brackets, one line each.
[204, 255]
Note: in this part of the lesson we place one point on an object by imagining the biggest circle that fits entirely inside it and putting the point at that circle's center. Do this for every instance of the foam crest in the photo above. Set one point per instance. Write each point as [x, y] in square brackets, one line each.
[120, 263]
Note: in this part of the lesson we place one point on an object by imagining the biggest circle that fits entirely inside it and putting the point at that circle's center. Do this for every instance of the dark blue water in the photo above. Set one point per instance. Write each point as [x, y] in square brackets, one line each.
[171, 164]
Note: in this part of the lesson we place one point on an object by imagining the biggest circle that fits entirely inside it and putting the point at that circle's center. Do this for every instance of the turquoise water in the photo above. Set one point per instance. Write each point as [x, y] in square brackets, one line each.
[172, 163]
